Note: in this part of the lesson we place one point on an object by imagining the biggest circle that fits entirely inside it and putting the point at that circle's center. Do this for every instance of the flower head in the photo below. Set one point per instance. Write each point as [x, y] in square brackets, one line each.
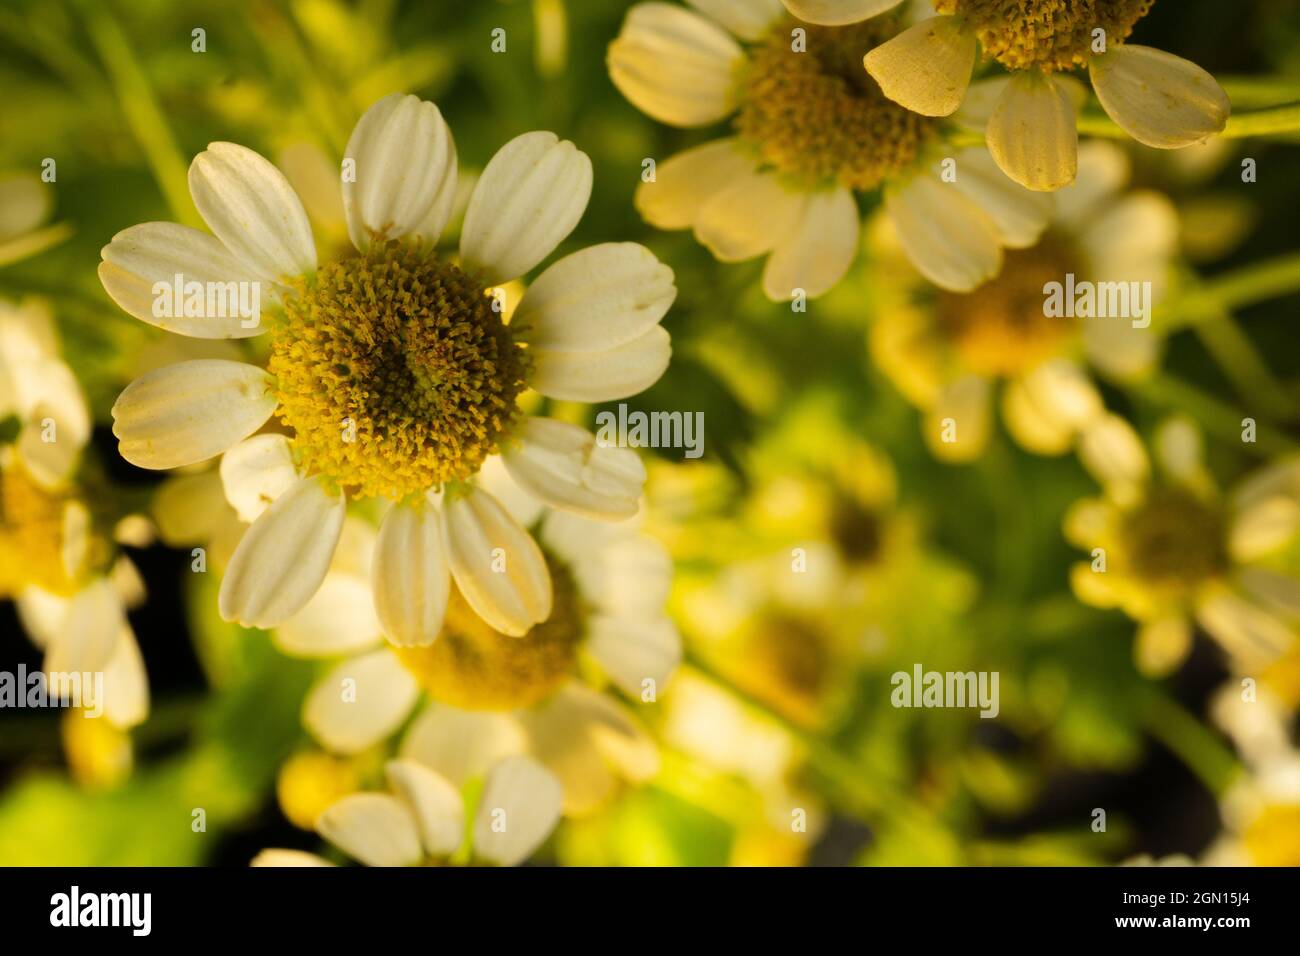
[395, 372]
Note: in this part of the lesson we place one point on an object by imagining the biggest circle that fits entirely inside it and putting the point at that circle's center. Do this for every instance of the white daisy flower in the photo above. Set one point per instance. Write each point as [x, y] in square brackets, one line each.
[394, 370]
[1030, 116]
[812, 130]
[959, 356]
[70, 587]
[1174, 552]
[422, 819]
[484, 694]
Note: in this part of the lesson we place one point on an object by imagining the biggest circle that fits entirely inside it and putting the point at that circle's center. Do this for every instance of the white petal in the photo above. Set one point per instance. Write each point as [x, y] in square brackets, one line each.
[1159, 99]
[256, 472]
[283, 858]
[966, 405]
[949, 239]
[126, 685]
[461, 745]
[674, 65]
[1020, 214]
[87, 634]
[1111, 450]
[157, 252]
[747, 19]
[401, 150]
[1033, 133]
[411, 578]
[818, 252]
[529, 198]
[617, 569]
[596, 299]
[494, 478]
[686, 182]
[1103, 171]
[1263, 527]
[1253, 636]
[283, 556]
[749, 218]
[375, 828]
[360, 702]
[520, 807]
[437, 805]
[926, 68]
[635, 649]
[562, 465]
[586, 738]
[253, 210]
[1046, 408]
[339, 619]
[837, 12]
[41, 614]
[191, 411]
[498, 567]
[603, 376]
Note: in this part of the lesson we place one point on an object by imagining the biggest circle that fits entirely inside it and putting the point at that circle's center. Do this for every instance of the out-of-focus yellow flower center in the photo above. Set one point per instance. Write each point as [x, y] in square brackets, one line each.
[31, 536]
[310, 782]
[817, 116]
[1173, 539]
[395, 372]
[1273, 838]
[785, 660]
[1048, 35]
[855, 529]
[1000, 329]
[473, 667]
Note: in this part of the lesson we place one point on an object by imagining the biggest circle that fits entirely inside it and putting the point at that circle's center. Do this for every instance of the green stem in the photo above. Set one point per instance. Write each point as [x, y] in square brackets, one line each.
[1190, 740]
[1215, 415]
[140, 107]
[1278, 120]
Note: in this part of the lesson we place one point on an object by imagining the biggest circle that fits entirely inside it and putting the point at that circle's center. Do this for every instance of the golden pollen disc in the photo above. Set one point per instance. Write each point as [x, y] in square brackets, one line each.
[31, 536]
[1048, 35]
[1175, 539]
[395, 372]
[818, 116]
[473, 667]
[1001, 328]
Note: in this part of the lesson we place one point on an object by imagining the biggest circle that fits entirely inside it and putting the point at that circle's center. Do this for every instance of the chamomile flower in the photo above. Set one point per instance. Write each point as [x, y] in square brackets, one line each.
[1261, 810]
[951, 354]
[392, 372]
[481, 694]
[812, 131]
[58, 560]
[1170, 551]
[421, 820]
[1159, 99]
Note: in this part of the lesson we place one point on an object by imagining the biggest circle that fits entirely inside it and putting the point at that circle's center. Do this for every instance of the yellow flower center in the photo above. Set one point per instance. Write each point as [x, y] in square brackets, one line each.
[1173, 539]
[786, 661]
[31, 536]
[1048, 35]
[395, 372]
[473, 667]
[817, 116]
[1001, 329]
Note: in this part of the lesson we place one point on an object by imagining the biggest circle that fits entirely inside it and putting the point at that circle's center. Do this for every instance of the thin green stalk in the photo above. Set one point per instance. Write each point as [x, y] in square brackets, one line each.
[1281, 120]
[140, 107]
[1245, 368]
[1199, 748]
[1215, 415]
